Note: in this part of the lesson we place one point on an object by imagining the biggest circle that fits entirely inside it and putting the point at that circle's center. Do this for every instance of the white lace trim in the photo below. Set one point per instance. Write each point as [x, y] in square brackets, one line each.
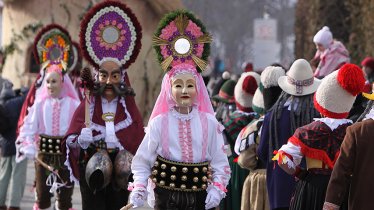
[67, 164]
[119, 126]
[184, 117]
[333, 123]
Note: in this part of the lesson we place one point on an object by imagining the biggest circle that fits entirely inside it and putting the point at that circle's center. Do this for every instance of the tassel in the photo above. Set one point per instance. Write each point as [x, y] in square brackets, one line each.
[181, 22]
[158, 41]
[199, 62]
[206, 38]
[166, 63]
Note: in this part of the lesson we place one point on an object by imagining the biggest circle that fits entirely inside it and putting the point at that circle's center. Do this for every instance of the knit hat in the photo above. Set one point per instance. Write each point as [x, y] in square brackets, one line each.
[247, 66]
[335, 96]
[269, 81]
[299, 80]
[245, 90]
[225, 76]
[226, 93]
[369, 62]
[270, 76]
[7, 91]
[324, 37]
[258, 102]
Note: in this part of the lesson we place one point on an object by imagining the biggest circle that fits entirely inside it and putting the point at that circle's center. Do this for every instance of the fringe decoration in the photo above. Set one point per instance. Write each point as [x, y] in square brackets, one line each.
[199, 62]
[206, 38]
[181, 22]
[166, 63]
[159, 41]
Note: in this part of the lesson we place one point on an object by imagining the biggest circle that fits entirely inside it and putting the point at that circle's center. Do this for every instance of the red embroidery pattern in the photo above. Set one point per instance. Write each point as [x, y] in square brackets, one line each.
[185, 140]
[56, 108]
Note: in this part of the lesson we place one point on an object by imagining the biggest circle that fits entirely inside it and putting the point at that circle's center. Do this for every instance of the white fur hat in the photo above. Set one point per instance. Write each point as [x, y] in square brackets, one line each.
[270, 76]
[336, 94]
[245, 89]
[258, 102]
[299, 80]
[324, 37]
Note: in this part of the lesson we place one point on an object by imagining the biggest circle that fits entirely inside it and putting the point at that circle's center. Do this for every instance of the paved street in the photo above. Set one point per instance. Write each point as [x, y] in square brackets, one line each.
[28, 198]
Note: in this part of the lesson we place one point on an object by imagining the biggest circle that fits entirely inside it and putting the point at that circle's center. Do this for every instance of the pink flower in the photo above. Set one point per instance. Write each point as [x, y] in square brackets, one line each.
[164, 51]
[194, 29]
[199, 50]
[168, 31]
[177, 62]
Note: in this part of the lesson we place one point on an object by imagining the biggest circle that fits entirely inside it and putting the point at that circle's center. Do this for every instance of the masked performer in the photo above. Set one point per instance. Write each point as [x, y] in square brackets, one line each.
[48, 119]
[183, 138]
[107, 128]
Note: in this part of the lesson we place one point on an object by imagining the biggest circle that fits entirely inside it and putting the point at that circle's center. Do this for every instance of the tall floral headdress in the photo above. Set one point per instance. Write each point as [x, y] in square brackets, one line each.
[181, 38]
[52, 47]
[183, 46]
[110, 31]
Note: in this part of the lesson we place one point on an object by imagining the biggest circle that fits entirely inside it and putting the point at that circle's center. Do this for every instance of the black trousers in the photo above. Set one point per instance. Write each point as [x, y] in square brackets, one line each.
[63, 195]
[107, 199]
[178, 200]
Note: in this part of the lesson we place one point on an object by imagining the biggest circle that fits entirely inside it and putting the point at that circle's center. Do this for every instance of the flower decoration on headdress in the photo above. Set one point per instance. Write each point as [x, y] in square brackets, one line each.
[182, 38]
[110, 31]
[52, 47]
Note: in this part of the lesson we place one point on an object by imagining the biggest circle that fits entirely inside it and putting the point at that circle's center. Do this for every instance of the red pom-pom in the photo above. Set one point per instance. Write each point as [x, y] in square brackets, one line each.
[249, 85]
[351, 78]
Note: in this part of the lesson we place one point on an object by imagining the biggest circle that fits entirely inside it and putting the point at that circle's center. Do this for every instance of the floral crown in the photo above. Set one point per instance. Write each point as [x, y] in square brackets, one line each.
[110, 31]
[52, 47]
[181, 38]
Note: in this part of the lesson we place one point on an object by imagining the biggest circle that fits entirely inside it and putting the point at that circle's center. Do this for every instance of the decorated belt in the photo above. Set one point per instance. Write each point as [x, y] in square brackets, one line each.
[172, 175]
[50, 145]
[101, 145]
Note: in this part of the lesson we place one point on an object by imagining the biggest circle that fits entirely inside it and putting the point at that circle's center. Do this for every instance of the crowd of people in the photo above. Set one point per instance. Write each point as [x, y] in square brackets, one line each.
[280, 138]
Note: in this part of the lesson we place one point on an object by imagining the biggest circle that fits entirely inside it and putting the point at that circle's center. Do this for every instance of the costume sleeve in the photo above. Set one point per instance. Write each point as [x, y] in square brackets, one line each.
[219, 163]
[30, 125]
[290, 154]
[343, 169]
[26, 138]
[263, 147]
[146, 155]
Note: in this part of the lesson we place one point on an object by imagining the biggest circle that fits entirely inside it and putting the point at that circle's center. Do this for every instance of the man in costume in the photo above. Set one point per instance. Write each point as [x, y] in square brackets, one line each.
[243, 94]
[107, 127]
[254, 194]
[48, 118]
[293, 109]
[319, 142]
[182, 150]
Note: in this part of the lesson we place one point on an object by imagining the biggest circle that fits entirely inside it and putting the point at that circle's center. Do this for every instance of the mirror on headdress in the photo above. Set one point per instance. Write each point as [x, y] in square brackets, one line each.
[55, 54]
[182, 46]
[110, 34]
